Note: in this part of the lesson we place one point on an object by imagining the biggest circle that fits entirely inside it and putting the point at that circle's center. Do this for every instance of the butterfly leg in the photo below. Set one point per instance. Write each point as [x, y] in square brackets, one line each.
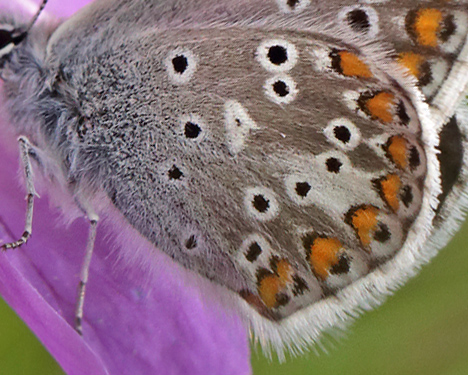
[84, 275]
[25, 149]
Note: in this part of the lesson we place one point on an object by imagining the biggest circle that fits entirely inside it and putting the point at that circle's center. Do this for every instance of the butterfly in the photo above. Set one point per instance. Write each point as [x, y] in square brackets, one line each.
[302, 158]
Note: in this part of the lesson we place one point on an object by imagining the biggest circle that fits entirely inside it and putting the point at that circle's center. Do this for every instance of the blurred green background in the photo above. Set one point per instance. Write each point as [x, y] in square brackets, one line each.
[422, 329]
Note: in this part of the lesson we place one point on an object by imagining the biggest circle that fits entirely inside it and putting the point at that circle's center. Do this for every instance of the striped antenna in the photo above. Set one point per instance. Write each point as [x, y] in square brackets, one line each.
[36, 16]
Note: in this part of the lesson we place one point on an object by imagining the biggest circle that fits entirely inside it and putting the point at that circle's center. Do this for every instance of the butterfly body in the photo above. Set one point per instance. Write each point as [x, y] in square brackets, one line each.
[267, 147]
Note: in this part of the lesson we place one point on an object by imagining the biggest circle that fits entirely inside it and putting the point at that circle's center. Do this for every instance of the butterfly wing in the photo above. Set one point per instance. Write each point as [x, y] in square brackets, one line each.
[269, 150]
[430, 40]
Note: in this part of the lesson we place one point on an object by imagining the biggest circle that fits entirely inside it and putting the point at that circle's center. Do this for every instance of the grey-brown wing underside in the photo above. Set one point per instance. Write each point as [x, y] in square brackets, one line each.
[278, 161]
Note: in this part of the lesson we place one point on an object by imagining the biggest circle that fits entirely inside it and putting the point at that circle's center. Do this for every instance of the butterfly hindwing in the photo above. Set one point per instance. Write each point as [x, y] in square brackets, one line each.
[430, 40]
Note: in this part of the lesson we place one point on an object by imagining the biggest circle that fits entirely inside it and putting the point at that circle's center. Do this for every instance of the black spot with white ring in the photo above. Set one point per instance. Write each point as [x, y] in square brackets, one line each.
[358, 20]
[281, 89]
[342, 133]
[180, 64]
[253, 252]
[333, 165]
[192, 130]
[277, 55]
[302, 189]
[261, 203]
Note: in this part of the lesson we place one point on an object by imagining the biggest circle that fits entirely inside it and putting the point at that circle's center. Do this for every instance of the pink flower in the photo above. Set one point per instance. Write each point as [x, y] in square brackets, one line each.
[131, 326]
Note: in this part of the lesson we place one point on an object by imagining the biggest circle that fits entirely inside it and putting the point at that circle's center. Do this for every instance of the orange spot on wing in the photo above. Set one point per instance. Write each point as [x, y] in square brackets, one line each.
[426, 26]
[324, 254]
[272, 284]
[411, 61]
[268, 288]
[364, 221]
[397, 149]
[353, 66]
[391, 185]
[380, 106]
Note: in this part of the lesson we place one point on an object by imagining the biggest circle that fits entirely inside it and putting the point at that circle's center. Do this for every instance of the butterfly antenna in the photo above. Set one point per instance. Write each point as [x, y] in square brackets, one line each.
[36, 16]
[16, 39]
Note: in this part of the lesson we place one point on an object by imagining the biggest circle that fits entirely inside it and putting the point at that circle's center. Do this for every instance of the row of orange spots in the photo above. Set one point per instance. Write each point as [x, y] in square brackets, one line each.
[397, 149]
[413, 62]
[427, 25]
[364, 221]
[324, 254]
[353, 66]
[390, 186]
[271, 285]
[380, 106]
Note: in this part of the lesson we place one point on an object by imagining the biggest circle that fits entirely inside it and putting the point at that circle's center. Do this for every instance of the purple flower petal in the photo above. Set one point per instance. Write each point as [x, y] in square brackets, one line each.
[131, 326]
